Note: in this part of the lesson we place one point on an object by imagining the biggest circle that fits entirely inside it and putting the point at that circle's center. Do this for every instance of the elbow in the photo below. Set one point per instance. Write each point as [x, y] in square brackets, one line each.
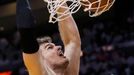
[77, 42]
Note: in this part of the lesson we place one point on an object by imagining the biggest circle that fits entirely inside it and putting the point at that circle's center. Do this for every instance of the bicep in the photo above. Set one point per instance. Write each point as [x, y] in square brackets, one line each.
[72, 52]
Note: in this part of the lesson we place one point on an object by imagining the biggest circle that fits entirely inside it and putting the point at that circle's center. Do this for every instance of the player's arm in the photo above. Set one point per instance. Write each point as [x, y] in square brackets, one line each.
[68, 29]
[72, 43]
[26, 26]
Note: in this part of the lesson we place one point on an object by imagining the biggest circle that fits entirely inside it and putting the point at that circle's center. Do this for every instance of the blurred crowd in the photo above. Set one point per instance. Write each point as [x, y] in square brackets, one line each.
[108, 47]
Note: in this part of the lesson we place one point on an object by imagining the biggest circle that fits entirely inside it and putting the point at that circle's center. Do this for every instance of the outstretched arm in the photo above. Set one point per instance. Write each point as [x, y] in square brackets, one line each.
[26, 27]
[68, 29]
[71, 39]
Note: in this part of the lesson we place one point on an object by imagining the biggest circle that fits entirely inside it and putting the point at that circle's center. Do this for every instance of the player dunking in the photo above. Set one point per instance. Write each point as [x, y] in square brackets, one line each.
[59, 63]
[47, 58]
[54, 61]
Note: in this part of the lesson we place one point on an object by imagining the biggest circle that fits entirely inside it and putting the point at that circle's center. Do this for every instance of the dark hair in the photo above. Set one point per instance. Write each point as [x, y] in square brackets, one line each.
[45, 39]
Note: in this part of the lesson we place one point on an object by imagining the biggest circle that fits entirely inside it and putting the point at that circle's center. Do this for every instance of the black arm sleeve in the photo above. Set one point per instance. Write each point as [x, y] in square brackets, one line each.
[28, 40]
[26, 26]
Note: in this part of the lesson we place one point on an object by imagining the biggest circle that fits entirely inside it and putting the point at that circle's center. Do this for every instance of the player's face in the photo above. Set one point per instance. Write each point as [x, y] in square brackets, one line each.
[54, 55]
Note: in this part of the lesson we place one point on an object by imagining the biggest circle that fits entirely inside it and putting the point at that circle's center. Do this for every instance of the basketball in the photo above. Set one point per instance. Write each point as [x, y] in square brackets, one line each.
[96, 7]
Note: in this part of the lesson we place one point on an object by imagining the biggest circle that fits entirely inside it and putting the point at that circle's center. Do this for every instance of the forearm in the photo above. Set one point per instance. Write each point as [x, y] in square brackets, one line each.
[29, 46]
[26, 27]
[68, 29]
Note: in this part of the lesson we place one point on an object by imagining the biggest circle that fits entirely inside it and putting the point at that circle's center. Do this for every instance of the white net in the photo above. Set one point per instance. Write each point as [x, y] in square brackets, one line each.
[54, 5]
[98, 9]
[94, 7]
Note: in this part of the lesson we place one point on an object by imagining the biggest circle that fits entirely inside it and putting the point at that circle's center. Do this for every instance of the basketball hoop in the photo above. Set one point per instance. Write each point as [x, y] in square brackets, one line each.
[54, 5]
[94, 7]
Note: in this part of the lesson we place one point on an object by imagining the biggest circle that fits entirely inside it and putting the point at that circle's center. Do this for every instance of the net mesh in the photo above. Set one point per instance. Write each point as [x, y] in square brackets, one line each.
[54, 5]
[74, 6]
[97, 8]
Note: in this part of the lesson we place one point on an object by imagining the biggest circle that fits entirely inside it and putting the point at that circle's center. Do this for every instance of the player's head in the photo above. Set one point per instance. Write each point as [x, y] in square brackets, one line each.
[52, 54]
[96, 7]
